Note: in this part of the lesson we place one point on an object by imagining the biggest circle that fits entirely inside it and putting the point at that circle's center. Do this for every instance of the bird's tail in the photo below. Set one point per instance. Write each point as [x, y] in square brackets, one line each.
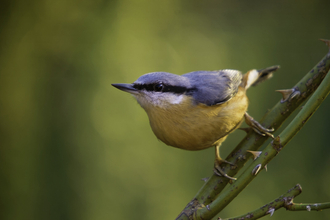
[254, 77]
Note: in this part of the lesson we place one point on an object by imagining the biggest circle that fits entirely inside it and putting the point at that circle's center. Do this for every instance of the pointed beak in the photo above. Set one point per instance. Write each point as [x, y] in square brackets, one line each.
[126, 87]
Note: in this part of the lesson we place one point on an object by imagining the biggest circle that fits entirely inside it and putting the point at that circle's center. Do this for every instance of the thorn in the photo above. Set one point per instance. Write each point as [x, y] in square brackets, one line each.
[288, 94]
[255, 154]
[208, 207]
[266, 167]
[205, 179]
[285, 93]
[288, 201]
[308, 208]
[296, 93]
[245, 129]
[256, 170]
[327, 42]
[271, 211]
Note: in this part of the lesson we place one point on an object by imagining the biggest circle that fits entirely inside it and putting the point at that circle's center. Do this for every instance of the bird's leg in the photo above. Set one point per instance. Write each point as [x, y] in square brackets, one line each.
[218, 161]
[257, 127]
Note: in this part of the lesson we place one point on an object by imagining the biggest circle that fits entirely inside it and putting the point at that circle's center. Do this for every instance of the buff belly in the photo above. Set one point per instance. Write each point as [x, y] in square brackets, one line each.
[196, 127]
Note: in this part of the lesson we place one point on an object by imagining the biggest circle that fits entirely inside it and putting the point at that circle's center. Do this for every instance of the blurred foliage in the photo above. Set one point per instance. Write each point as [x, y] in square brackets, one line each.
[73, 147]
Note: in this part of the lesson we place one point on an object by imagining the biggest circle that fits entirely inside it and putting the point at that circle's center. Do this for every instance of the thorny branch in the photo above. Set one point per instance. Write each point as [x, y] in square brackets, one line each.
[210, 199]
[286, 201]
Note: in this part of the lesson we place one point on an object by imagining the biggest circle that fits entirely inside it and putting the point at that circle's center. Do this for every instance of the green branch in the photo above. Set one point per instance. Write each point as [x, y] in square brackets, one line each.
[286, 201]
[269, 153]
[308, 206]
[274, 118]
[270, 208]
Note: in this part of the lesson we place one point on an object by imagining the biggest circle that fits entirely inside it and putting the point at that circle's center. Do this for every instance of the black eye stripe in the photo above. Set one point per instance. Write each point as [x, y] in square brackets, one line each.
[175, 89]
[166, 88]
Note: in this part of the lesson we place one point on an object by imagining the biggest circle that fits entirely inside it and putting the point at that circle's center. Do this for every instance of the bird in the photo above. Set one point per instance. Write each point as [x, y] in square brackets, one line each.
[198, 110]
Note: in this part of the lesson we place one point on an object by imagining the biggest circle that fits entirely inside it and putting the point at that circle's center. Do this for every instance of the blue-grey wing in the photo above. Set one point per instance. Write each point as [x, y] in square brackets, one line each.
[214, 87]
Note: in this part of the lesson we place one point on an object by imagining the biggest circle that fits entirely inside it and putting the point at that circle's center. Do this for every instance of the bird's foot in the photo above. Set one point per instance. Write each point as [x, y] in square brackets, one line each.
[217, 168]
[257, 127]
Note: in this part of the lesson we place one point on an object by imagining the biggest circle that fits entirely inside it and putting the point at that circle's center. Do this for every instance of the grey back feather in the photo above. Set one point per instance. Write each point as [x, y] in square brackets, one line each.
[214, 87]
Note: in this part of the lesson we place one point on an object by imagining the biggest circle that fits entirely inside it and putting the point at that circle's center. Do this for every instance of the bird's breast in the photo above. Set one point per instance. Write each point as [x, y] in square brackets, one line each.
[194, 127]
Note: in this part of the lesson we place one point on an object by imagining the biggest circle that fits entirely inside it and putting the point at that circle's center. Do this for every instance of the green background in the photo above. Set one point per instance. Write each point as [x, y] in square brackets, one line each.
[74, 147]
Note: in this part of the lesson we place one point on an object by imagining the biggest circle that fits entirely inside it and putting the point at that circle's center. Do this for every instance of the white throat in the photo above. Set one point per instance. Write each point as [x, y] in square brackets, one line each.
[158, 99]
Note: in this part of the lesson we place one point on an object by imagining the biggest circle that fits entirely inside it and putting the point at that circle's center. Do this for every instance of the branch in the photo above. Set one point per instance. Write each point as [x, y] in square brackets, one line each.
[269, 153]
[274, 118]
[308, 206]
[286, 201]
[269, 208]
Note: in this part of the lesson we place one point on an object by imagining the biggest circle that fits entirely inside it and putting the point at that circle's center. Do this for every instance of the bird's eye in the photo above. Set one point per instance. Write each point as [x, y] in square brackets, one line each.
[158, 87]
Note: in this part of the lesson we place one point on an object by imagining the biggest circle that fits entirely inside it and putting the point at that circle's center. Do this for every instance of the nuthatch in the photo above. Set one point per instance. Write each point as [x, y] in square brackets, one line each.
[197, 110]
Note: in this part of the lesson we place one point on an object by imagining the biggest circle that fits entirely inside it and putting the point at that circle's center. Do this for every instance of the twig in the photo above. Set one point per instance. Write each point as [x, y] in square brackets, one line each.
[308, 206]
[286, 201]
[270, 208]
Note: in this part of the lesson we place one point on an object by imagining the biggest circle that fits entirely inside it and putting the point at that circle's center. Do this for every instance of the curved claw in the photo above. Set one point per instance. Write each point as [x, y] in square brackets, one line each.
[257, 127]
[218, 171]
